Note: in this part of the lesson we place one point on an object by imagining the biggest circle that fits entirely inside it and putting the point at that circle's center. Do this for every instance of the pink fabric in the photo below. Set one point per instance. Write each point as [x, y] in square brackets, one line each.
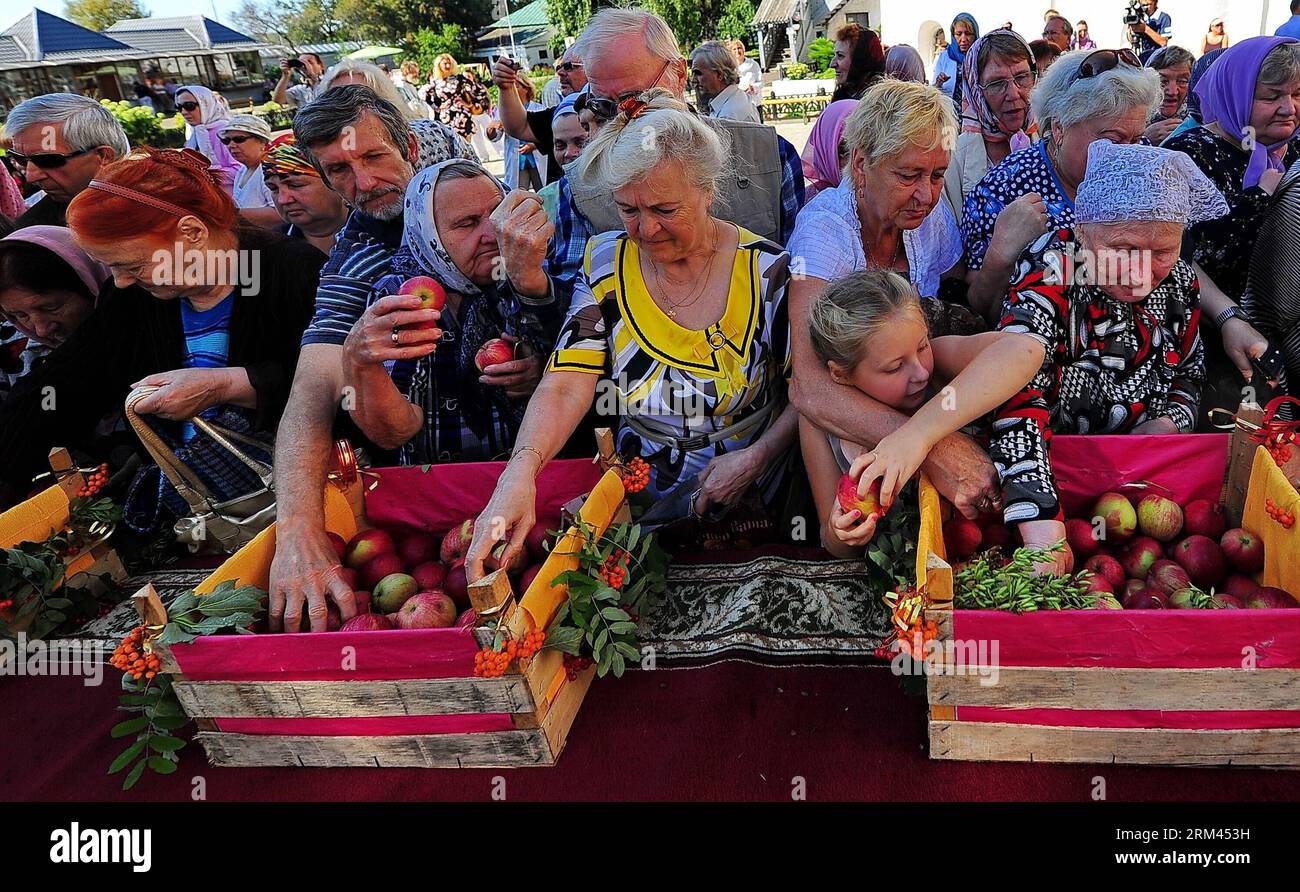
[1205, 720]
[399, 653]
[376, 726]
[1189, 466]
[58, 239]
[821, 156]
[12, 205]
[459, 494]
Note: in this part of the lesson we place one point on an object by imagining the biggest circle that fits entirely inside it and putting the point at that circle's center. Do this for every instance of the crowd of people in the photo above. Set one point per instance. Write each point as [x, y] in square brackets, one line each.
[956, 269]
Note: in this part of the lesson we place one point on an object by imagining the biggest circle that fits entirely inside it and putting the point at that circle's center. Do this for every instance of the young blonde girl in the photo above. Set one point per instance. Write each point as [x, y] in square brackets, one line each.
[870, 330]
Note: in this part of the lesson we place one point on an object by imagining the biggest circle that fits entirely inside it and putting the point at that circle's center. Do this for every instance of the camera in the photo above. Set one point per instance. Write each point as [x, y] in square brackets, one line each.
[294, 63]
[1135, 13]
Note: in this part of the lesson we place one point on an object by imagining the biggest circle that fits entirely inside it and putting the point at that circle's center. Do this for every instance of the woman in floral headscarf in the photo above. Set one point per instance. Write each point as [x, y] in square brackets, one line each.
[436, 405]
[205, 114]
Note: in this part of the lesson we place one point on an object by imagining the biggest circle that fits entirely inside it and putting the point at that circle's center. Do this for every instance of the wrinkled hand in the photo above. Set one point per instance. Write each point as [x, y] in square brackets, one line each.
[851, 527]
[1160, 425]
[1243, 343]
[306, 571]
[511, 512]
[1269, 179]
[894, 460]
[519, 377]
[1159, 131]
[960, 469]
[370, 342]
[1020, 222]
[524, 232]
[184, 393]
[725, 479]
[1045, 534]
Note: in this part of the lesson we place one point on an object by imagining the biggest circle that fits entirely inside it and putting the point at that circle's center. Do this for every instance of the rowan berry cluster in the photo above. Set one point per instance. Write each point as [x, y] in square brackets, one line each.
[94, 483]
[1284, 516]
[614, 570]
[1279, 446]
[131, 657]
[636, 475]
[490, 663]
[574, 664]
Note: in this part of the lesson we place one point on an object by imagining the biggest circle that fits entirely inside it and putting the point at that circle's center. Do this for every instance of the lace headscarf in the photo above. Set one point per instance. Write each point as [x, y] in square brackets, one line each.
[1143, 183]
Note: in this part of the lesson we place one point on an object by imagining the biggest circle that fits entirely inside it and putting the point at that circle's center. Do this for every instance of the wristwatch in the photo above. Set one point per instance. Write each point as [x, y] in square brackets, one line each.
[1233, 312]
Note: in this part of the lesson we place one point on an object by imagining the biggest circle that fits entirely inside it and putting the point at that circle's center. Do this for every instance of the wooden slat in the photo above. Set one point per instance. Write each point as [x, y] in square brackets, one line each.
[559, 719]
[345, 699]
[1241, 457]
[1099, 688]
[488, 749]
[994, 742]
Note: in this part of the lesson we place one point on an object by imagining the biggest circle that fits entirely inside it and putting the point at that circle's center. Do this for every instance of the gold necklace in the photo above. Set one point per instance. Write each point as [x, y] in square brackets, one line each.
[671, 312]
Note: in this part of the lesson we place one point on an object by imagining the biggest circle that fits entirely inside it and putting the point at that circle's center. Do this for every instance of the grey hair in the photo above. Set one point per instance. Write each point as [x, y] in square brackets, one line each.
[850, 310]
[1063, 98]
[611, 23]
[1069, 29]
[86, 123]
[626, 151]
[463, 169]
[718, 58]
[1171, 57]
[381, 83]
[323, 120]
[1281, 65]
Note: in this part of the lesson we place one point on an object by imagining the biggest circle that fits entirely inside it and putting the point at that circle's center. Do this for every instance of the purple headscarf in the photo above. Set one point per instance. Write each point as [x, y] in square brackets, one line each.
[976, 115]
[1227, 94]
[823, 167]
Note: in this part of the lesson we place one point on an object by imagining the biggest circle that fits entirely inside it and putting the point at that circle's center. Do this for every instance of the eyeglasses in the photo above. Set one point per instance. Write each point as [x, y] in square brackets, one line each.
[47, 160]
[568, 66]
[604, 108]
[1000, 87]
[188, 106]
[237, 140]
[1101, 61]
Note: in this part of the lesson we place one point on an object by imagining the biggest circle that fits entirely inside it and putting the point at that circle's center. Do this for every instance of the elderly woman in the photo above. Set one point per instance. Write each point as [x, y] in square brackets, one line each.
[1250, 99]
[1086, 96]
[716, 75]
[1174, 65]
[437, 405]
[246, 137]
[213, 337]
[205, 116]
[825, 156]
[454, 97]
[48, 288]
[1123, 353]
[962, 34]
[354, 71]
[896, 142]
[684, 315]
[996, 79]
[312, 210]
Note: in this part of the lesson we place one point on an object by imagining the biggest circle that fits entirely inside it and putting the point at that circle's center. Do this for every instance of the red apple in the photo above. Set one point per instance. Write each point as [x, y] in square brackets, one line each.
[455, 585]
[374, 570]
[1100, 585]
[1168, 576]
[1159, 517]
[429, 575]
[1079, 536]
[961, 537]
[1202, 558]
[333, 619]
[1269, 598]
[467, 619]
[362, 600]
[1225, 601]
[527, 579]
[493, 352]
[538, 541]
[1244, 550]
[456, 542]
[417, 548]
[393, 591]
[1131, 588]
[367, 622]
[1106, 602]
[995, 536]
[1203, 518]
[426, 610]
[340, 544]
[431, 293]
[1108, 568]
[851, 501]
[1117, 511]
[1146, 599]
[367, 545]
[1239, 586]
[1138, 556]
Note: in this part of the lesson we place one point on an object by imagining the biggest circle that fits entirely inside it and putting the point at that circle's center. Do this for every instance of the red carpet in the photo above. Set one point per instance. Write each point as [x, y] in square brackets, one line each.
[728, 732]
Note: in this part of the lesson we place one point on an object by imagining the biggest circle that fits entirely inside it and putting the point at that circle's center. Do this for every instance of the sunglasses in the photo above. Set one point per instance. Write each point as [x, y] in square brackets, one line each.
[237, 140]
[47, 160]
[605, 109]
[1101, 61]
[188, 106]
[568, 66]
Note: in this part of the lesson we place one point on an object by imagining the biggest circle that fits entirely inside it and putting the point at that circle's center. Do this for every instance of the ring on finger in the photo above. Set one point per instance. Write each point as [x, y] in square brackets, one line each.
[394, 335]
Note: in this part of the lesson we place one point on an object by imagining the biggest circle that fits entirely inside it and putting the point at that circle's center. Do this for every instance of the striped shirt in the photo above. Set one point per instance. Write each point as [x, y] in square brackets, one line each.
[207, 344]
[362, 255]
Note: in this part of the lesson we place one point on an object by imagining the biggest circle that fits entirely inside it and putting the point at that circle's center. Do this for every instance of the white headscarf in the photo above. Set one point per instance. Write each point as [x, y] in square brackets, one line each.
[420, 228]
[205, 137]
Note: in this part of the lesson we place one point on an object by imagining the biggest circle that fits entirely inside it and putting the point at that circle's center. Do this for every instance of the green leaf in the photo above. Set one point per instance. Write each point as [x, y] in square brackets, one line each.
[170, 722]
[566, 639]
[161, 765]
[58, 603]
[623, 628]
[599, 645]
[125, 757]
[134, 775]
[614, 613]
[628, 650]
[165, 743]
[617, 663]
[130, 726]
[183, 603]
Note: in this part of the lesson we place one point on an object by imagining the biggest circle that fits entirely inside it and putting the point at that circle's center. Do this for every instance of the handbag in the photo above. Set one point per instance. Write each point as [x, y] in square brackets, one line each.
[216, 522]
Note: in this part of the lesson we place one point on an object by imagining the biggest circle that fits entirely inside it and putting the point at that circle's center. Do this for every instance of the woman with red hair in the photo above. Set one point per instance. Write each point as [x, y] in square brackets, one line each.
[208, 311]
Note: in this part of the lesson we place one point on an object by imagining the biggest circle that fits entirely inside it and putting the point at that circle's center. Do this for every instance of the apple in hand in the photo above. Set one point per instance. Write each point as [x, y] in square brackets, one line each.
[851, 501]
[494, 352]
[431, 294]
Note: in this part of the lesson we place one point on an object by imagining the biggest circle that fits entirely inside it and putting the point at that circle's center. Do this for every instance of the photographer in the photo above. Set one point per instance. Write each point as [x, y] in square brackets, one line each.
[310, 67]
[1152, 31]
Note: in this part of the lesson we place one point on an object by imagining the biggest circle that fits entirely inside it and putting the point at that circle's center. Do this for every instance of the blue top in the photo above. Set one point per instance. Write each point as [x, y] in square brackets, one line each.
[207, 344]
[1162, 25]
[1289, 28]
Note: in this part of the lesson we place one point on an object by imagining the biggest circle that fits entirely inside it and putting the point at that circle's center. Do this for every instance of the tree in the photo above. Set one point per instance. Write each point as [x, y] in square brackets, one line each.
[400, 20]
[735, 21]
[430, 43]
[98, 15]
[291, 22]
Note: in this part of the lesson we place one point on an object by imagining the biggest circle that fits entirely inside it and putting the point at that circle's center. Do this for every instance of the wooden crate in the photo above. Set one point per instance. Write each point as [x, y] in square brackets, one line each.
[519, 719]
[1167, 687]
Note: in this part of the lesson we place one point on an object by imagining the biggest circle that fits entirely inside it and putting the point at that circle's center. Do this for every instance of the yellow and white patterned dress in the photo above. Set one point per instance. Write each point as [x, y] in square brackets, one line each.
[680, 382]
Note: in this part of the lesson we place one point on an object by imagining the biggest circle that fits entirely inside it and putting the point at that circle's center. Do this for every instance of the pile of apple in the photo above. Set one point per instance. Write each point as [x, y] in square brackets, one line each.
[403, 579]
[1156, 554]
